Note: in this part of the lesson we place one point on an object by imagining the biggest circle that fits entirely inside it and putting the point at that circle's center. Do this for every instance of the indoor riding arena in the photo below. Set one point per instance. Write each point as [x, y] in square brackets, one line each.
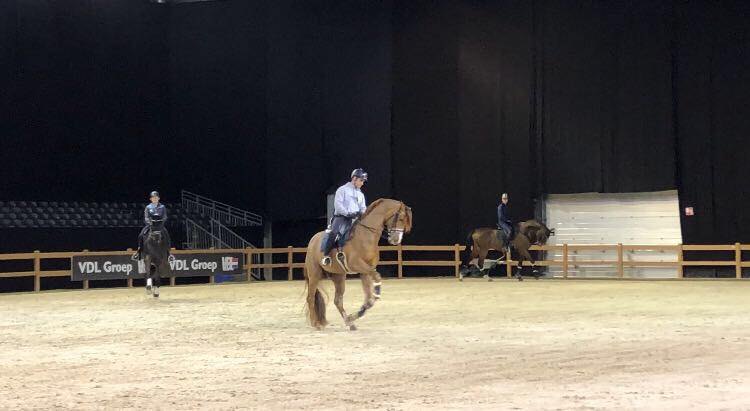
[374, 205]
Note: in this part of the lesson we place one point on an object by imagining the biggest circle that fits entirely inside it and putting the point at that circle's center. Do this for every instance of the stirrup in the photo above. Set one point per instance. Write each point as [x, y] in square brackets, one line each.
[341, 259]
[325, 261]
[135, 256]
[170, 258]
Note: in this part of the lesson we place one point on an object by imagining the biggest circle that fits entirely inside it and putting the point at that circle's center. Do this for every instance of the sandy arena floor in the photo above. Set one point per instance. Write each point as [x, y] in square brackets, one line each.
[432, 343]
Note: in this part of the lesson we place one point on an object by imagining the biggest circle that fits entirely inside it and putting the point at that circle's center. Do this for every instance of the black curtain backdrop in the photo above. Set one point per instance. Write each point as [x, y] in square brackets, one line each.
[86, 98]
[329, 102]
[217, 81]
[447, 103]
[425, 118]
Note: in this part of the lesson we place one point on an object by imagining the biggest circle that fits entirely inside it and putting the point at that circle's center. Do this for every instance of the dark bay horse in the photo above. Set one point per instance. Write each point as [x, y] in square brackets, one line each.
[362, 256]
[156, 257]
[481, 240]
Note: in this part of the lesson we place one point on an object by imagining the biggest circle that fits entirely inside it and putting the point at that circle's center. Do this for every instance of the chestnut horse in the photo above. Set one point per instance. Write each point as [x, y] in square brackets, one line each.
[481, 240]
[362, 256]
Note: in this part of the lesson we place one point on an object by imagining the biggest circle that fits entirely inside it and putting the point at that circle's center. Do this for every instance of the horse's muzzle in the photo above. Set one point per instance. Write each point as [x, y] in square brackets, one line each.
[395, 236]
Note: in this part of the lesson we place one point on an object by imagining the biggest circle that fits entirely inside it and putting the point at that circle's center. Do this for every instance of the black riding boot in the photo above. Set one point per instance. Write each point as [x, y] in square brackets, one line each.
[137, 255]
[327, 247]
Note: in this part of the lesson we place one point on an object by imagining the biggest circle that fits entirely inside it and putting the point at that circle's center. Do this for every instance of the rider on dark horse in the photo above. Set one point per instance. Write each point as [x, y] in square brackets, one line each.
[349, 204]
[155, 215]
[504, 221]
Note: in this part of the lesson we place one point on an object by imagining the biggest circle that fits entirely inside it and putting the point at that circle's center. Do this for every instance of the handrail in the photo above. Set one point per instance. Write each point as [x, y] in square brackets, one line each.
[220, 236]
[219, 211]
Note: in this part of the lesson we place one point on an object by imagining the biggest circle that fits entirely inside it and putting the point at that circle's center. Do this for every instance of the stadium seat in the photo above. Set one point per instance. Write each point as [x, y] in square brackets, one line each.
[6, 222]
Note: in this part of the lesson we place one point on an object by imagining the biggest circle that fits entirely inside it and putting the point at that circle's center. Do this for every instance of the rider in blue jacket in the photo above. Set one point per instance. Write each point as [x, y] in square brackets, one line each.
[504, 221]
[155, 214]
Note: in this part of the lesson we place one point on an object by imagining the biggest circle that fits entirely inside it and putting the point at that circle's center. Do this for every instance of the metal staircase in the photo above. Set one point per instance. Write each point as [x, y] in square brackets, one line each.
[217, 234]
[221, 212]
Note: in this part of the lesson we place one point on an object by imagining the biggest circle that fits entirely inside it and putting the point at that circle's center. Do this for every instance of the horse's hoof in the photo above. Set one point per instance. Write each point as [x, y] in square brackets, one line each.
[520, 278]
[352, 327]
[487, 277]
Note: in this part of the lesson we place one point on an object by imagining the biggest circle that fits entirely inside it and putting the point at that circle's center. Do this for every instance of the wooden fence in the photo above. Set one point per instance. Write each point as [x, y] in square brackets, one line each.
[451, 253]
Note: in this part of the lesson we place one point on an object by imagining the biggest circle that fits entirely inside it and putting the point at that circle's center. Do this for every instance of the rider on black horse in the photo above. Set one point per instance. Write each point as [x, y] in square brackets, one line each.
[349, 204]
[504, 221]
[155, 215]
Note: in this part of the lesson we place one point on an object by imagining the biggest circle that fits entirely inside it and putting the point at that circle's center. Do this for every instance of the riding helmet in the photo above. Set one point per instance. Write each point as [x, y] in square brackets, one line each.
[359, 173]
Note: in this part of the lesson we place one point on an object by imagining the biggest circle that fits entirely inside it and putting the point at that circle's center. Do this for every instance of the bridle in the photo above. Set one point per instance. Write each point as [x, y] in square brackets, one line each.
[390, 228]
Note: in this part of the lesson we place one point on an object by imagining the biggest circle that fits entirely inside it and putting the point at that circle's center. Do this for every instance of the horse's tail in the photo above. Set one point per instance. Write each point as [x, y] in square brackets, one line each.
[316, 305]
[466, 253]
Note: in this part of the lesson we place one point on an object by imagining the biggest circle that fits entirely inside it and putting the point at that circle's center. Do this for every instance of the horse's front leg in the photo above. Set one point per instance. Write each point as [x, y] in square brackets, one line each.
[367, 286]
[523, 255]
[377, 283]
[148, 274]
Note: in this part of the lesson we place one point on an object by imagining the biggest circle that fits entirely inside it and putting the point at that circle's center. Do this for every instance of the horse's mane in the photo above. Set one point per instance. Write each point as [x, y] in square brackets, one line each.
[373, 206]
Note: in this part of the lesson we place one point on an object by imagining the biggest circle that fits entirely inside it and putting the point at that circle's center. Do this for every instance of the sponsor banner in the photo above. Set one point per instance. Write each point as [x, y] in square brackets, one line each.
[118, 267]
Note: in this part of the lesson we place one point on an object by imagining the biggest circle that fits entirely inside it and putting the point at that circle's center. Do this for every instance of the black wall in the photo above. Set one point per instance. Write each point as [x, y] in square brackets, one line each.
[85, 94]
[447, 104]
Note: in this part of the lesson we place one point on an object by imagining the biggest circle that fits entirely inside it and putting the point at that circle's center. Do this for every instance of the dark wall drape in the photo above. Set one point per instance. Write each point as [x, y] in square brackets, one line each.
[84, 93]
[329, 96]
[217, 81]
[712, 85]
[446, 103]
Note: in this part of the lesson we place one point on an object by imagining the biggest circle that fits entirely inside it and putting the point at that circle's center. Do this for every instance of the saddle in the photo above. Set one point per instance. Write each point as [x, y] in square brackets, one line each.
[505, 238]
[341, 238]
[344, 234]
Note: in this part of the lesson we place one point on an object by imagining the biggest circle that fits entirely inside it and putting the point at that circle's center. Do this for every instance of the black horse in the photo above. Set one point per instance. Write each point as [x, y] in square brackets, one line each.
[156, 256]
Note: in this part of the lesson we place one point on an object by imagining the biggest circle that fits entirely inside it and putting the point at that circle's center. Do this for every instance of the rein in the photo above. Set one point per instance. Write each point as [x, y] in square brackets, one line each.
[389, 228]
